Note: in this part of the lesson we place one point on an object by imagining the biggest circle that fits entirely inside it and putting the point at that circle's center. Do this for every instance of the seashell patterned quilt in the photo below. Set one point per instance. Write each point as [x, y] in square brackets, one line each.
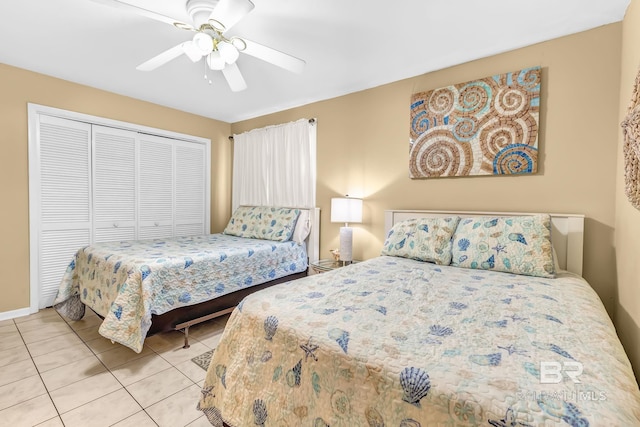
[398, 342]
[128, 281]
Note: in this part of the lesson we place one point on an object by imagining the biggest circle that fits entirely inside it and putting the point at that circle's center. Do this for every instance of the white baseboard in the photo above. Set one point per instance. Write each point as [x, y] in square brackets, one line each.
[6, 315]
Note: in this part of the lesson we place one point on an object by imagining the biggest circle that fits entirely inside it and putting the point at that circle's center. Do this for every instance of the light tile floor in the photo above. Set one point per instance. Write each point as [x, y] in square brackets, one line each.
[55, 372]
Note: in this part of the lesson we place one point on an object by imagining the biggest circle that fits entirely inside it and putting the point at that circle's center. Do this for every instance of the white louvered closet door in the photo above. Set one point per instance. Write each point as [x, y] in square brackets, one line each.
[155, 190]
[190, 166]
[65, 199]
[91, 181]
[114, 184]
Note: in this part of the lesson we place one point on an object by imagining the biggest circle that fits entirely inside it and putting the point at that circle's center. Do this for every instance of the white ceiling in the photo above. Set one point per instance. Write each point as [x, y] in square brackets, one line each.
[348, 45]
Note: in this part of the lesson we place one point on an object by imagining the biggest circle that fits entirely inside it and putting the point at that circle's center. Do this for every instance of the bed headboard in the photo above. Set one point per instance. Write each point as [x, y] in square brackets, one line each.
[567, 231]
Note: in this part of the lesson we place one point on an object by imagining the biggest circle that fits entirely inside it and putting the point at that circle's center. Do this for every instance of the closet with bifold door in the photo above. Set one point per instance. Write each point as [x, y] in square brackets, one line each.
[91, 183]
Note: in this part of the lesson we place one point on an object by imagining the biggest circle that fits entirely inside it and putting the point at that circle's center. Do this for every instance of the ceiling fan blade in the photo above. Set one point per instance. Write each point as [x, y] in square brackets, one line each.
[275, 57]
[230, 12]
[234, 77]
[142, 12]
[161, 59]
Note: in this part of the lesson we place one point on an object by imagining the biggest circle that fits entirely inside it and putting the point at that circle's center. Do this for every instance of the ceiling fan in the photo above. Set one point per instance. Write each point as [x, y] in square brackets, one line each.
[211, 21]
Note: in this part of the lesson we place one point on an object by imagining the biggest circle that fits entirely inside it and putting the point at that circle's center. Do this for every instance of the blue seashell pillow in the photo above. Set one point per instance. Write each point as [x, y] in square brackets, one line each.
[263, 222]
[518, 244]
[422, 239]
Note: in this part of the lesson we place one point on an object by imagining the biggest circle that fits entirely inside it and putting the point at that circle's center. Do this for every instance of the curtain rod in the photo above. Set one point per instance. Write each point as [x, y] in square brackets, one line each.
[312, 121]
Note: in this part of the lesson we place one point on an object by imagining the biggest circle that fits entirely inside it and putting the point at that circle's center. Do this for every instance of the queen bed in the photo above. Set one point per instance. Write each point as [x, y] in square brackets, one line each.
[148, 286]
[465, 319]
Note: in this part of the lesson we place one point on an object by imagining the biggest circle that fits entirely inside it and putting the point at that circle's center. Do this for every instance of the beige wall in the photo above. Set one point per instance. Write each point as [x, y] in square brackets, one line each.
[627, 222]
[19, 87]
[363, 148]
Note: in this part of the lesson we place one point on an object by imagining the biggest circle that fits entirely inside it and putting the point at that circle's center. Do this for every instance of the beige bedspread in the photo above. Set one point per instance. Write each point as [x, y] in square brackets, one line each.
[397, 342]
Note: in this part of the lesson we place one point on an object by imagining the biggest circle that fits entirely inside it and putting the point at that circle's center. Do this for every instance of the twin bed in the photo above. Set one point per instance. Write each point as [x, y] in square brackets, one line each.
[149, 286]
[465, 319]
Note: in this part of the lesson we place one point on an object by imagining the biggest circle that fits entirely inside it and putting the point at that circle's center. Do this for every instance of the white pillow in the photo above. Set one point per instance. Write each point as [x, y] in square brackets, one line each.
[303, 226]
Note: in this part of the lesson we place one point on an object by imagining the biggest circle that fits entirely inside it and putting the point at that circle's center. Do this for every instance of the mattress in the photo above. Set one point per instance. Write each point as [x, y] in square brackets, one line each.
[398, 342]
[128, 281]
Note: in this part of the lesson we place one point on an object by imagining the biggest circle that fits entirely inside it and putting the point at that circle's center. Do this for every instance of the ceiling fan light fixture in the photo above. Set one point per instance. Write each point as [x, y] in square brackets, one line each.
[191, 51]
[204, 43]
[229, 52]
[210, 21]
[215, 61]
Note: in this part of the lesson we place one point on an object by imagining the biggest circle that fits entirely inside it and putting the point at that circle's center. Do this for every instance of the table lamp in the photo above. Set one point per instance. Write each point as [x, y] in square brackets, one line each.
[346, 209]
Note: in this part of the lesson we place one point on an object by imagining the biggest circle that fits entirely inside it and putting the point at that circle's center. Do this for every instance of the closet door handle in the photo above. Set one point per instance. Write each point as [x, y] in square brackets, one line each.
[157, 224]
[115, 225]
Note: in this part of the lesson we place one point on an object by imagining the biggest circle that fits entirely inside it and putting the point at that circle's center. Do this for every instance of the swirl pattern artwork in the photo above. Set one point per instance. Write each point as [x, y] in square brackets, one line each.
[483, 127]
[631, 147]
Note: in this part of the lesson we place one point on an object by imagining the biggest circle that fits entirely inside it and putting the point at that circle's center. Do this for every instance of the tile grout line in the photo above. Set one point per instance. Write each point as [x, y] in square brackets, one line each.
[95, 355]
[125, 387]
[40, 373]
[106, 368]
[39, 376]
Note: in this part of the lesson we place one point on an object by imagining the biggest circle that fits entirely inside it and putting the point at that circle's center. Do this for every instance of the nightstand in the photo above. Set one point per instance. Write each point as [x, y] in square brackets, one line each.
[323, 265]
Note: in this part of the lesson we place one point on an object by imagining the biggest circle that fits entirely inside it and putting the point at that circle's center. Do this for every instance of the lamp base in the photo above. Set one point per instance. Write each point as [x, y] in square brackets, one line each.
[346, 244]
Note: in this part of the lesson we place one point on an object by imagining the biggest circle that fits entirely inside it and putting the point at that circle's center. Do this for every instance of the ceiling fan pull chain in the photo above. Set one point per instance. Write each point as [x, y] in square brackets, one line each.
[205, 71]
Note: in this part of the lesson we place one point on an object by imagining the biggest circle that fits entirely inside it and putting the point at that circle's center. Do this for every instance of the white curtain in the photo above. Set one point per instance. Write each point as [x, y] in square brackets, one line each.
[275, 166]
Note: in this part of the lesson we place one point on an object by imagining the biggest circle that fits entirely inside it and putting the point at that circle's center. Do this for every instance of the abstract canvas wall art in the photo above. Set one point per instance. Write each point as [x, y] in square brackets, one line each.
[483, 127]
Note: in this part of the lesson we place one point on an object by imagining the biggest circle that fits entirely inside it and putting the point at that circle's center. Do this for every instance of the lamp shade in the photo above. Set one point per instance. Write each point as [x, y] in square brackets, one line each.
[346, 210]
